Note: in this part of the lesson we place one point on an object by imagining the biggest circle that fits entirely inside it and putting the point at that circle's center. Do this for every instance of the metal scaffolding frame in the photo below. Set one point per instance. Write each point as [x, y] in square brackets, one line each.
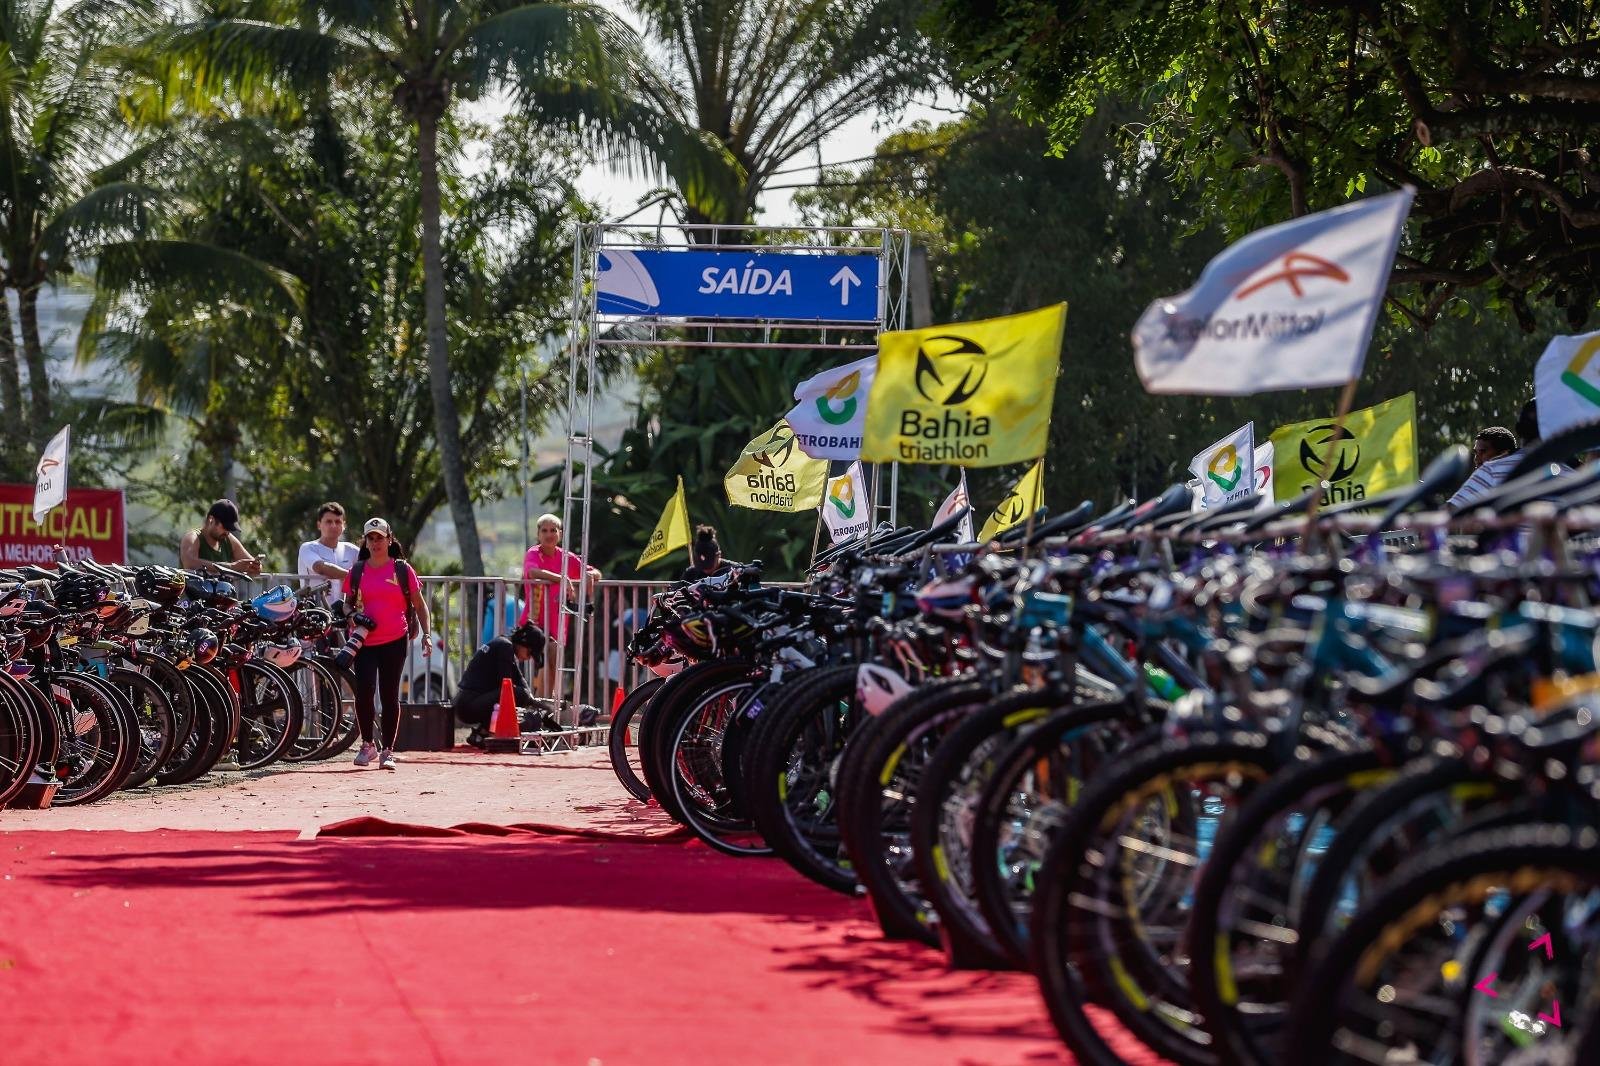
[592, 330]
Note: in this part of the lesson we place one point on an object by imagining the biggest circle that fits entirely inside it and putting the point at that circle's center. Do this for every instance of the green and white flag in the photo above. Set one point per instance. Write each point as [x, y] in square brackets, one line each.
[1226, 469]
[831, 408]
[844, 505]
[1566, 383]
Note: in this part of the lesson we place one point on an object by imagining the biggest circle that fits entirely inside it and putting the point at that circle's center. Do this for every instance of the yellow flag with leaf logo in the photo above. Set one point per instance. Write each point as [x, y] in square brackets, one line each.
[968, 394]
[1374, 452]
[671, 532]
[1025, 497]
[773, 474]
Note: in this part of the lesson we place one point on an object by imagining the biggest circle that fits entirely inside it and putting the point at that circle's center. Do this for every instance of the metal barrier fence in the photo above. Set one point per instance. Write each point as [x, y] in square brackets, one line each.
[467, 611]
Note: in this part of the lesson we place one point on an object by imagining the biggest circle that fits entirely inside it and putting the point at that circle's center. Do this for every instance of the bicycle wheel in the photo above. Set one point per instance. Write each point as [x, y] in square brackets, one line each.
[187, 760]
[157, 723]
[19, 739]
[1035, 783]
[349, 728]
[1245, 922]
[792, 782]
[1118, 884]
[99, 737]
[655, 744]
[218, 701]
[319, 696]
[1401, 983]
[944, 815]
[624, 754]
[883, 767]
[270, 714]
[699, 791]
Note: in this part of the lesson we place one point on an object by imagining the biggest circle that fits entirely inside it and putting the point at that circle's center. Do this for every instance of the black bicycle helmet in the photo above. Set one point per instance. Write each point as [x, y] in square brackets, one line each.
[158, 584]
[79, 593]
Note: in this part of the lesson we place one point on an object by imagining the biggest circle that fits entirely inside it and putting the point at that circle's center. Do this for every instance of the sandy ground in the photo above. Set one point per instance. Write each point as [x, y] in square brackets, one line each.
[572, 789]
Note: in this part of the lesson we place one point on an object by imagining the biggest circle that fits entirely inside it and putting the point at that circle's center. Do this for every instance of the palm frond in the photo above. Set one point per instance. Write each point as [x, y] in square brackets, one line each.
[204, 273]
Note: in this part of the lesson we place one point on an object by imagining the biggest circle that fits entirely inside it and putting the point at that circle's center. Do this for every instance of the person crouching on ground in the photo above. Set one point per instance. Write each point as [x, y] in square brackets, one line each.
[496, 660]
[383, 586]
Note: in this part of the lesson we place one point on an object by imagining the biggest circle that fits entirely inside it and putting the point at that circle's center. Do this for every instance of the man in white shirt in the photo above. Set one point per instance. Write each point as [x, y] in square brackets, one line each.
[1494, 453]
[328, 558]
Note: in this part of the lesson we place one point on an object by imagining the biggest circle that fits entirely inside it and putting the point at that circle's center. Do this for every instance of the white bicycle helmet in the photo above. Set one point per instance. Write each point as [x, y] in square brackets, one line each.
[282, 656]
[877, 687]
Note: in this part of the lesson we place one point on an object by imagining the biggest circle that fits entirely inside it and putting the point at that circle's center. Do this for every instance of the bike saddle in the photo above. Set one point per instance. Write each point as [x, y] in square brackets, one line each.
[1175, 501]
[1222, 517]
[38, 573]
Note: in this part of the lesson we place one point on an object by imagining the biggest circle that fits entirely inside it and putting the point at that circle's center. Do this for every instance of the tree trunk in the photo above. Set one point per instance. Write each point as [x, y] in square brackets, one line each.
[12, 416]
[38, 373]
[447, 424]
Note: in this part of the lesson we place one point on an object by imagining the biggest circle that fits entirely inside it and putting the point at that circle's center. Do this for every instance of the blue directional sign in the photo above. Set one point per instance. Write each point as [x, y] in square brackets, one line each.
[738, 286]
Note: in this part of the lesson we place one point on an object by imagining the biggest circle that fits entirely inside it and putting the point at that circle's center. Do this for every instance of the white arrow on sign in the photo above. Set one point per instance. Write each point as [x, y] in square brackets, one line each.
[844, 279]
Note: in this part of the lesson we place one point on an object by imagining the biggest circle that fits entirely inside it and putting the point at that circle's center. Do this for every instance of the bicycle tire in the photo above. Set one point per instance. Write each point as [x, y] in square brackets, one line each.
[1465, 871]
[270, 715]
[89, 709]
[699, 791]
[188, 761]
[1086, 942]
[818, 706]
[1014, 828]
[1240, 861]
[942, 824]
[877, 833]
[157, 723]
[634, 706]
[655, 744]
[19, 739]
[319, 697]
[349, 725]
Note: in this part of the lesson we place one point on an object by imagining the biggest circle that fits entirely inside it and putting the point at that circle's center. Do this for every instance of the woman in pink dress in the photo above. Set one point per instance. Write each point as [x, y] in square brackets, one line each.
[542, 571]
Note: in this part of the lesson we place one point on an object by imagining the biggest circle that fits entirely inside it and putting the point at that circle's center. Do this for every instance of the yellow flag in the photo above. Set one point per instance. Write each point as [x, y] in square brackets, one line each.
[773, 474]
[671, 533]
[1025, 497]
[969, 394]
[1377, 451]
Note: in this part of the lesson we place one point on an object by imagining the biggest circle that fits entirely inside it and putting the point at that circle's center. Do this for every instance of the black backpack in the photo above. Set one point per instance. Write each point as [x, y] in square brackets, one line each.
[401, 569]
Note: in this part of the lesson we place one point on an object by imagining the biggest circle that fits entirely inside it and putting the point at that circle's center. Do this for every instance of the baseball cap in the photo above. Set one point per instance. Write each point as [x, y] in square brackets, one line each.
[376, 525]
[226, 512]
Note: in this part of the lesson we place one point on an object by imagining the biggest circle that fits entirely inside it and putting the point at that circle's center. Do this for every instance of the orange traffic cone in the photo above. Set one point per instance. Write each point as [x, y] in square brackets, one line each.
[505, 729]
[618, 695]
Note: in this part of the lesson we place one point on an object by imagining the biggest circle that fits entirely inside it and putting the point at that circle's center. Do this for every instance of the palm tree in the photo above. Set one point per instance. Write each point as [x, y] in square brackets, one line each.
[771, 81]
[63, 156]
[571, 64]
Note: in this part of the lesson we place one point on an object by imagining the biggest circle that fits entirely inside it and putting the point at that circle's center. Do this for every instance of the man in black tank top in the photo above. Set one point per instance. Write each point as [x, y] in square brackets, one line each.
[216, 541]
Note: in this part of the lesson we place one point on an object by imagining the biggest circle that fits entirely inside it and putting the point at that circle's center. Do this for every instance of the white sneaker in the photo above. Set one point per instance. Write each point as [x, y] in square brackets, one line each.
[386, 759]
[368, 751]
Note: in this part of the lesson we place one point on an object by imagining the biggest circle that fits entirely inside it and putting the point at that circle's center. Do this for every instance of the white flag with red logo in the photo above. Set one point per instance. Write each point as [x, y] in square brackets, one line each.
[1265, 453]
[50, 483]
[1288, 307]
[952, 504]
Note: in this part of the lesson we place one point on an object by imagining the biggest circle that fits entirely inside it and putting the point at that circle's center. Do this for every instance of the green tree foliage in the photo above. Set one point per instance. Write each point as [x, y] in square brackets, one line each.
[770, 81]
[1267, 109]
[329, 398]
[567, 65]
[1010, 226]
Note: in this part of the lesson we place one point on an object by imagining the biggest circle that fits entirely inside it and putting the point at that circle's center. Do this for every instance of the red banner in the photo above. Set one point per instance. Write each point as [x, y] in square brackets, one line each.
[92, 523]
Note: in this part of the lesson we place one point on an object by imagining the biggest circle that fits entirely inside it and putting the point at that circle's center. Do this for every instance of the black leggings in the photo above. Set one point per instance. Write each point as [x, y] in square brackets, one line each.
[378, 671]
[476, 708]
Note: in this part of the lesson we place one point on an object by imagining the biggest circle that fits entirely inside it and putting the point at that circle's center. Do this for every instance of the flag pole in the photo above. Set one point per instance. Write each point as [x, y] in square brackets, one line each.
[1346, 399]
[816, 536]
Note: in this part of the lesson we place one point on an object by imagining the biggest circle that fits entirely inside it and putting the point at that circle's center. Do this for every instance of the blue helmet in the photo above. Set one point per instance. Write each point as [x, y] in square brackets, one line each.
[277, 604]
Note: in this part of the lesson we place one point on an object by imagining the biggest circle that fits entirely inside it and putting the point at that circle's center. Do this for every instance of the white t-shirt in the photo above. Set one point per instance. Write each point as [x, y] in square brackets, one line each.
[342, 554]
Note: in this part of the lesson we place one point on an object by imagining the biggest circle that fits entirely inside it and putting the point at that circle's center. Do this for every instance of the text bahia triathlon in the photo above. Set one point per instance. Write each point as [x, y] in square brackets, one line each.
[771, 487]
[951, 435]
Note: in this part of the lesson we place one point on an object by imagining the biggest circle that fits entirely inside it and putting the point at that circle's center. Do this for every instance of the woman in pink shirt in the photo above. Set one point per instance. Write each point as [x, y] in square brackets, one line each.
[543, 566]
[383, 586]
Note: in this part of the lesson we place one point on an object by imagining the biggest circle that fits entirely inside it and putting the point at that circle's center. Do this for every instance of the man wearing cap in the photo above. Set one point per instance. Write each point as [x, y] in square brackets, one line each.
[216, 542]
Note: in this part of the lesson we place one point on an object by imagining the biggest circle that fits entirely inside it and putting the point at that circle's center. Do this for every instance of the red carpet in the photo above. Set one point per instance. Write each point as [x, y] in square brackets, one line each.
[243, 948]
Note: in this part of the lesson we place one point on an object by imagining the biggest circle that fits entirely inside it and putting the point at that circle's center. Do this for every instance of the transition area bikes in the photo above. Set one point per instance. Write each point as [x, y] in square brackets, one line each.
[117, 677]
[1266, 785]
